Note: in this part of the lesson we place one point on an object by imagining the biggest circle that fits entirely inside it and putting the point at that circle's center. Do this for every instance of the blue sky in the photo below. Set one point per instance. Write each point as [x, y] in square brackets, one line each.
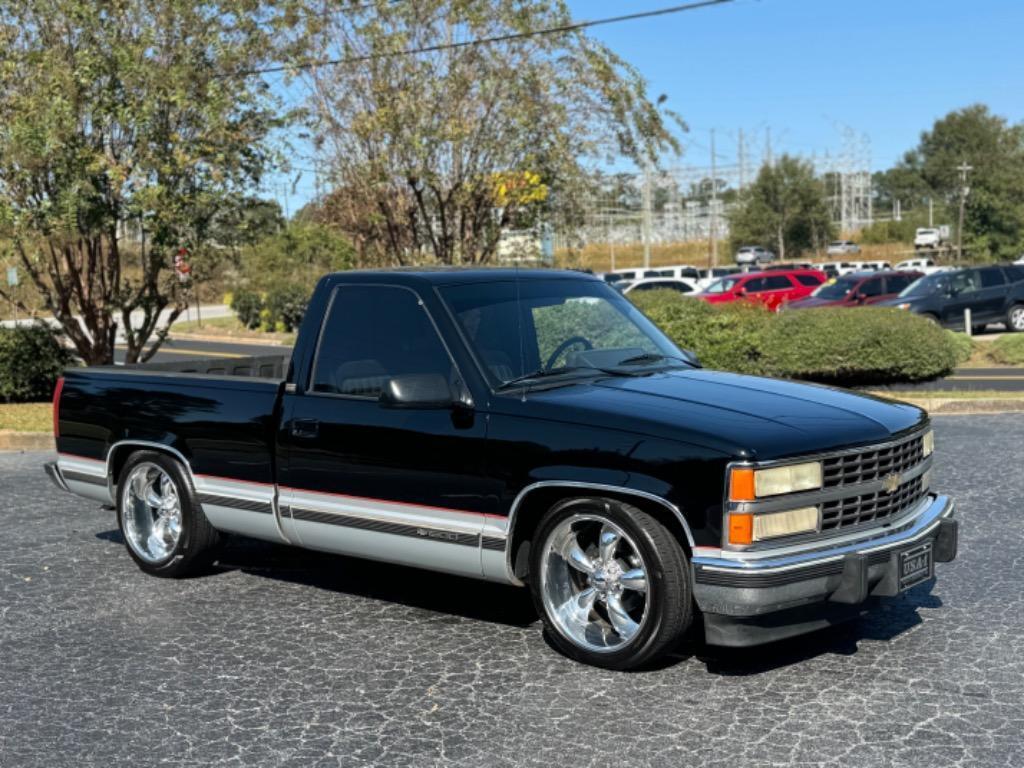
[805, 68]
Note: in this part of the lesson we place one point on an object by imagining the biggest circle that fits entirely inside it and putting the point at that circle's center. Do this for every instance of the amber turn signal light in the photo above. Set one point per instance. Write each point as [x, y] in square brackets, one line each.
[741, 484]
[741, 529]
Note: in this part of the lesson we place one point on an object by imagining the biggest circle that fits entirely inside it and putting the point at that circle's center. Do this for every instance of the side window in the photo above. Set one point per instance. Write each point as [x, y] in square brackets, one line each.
[1016, 274]
[777, 283]
[373, 333]
[992, 277]
[691, 273]
[896, 283]
[680, 286]
[755, 285]
[965, 282]
[871, 288]
[808, 280]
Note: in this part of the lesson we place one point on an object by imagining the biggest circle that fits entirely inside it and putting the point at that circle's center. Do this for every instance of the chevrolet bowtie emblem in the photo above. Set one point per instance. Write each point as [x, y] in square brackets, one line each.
[891, 482]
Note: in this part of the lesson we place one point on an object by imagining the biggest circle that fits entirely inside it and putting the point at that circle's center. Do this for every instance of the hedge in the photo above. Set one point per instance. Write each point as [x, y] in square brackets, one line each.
[847, 346]
[280, 309]
[1008, 349]
[31, 360]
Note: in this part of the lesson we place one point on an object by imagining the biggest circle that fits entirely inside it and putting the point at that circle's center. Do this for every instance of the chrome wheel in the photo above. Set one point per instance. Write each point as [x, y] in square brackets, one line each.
[1017, 318]
[594, 583]
[151, 513]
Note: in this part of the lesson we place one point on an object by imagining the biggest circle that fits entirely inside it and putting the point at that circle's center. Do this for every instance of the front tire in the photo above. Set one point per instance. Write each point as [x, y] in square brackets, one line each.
[610, 582]
[164, 528]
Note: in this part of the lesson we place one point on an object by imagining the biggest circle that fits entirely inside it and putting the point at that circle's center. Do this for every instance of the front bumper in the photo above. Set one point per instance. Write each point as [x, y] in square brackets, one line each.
[754, 600]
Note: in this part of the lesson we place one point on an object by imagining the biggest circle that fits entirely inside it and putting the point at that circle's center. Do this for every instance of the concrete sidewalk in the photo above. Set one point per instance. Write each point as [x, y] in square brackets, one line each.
[208, 312]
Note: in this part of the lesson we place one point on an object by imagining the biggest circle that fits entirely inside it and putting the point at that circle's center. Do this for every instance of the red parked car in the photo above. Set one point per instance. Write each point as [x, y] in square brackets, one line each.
[773, 289]
[857, 289]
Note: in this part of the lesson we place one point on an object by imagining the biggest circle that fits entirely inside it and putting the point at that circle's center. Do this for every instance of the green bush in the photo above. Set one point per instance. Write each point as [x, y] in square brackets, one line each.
[286, 306]
[247, 305]
[964, 344]
[31, 360]
[1008, 349]
[847, 346]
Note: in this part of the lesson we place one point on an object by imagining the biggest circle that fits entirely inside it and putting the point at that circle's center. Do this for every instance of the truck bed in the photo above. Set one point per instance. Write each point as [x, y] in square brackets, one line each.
[218, 414]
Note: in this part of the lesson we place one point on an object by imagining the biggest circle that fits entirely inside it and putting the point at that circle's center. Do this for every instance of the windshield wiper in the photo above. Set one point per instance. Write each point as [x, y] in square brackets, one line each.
[543, 373]
[651, 357]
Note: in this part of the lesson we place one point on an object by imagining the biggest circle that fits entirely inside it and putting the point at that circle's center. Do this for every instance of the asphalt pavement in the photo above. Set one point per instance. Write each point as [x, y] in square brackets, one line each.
[287, 658]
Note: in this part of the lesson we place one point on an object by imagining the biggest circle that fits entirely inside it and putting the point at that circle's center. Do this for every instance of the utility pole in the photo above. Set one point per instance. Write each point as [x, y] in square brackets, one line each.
[768, 146]
[714, 202]
[964, 169]
[931, 212]
[742, 154]
[646, 224]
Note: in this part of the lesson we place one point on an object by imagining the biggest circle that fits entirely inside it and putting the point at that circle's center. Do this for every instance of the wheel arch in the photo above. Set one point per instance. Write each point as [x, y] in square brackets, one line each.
[122, 450]
[534, 500]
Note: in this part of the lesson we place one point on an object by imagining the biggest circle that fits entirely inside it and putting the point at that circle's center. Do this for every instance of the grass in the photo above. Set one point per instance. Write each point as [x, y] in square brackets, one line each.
[229, 328]
[26, 417]
[1007, 350]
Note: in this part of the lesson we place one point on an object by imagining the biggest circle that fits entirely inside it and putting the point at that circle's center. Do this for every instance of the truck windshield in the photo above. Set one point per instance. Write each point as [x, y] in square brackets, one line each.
[722, 286]
[518, 329]
[925, 286]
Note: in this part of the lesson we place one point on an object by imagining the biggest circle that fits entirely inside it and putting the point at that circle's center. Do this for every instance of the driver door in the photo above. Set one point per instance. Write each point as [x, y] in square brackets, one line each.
[963, 293]
[361, 477]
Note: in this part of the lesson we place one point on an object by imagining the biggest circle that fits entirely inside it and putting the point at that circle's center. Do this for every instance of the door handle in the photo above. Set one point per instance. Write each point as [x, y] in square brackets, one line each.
[307, 428]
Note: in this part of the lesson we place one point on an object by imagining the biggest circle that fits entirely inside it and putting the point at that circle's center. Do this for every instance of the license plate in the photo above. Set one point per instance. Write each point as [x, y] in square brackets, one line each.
[915, 565]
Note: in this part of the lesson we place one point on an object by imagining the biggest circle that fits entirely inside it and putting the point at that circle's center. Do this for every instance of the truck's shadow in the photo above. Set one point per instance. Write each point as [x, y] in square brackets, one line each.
[483, 601]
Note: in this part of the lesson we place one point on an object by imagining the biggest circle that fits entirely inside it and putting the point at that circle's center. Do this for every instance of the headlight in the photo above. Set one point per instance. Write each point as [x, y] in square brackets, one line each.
[928, 443]
[746, 528]
[748, 484]
[902, 306]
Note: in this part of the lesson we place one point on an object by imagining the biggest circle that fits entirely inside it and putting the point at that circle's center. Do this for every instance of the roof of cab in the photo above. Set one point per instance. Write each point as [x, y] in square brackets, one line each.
[455, 275]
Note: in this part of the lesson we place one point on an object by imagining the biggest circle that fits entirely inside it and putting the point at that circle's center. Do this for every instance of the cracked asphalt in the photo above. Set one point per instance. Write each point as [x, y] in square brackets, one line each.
[286, 658]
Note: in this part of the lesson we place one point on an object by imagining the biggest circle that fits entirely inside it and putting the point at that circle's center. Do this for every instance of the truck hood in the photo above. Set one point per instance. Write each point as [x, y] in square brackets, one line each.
[745, 416]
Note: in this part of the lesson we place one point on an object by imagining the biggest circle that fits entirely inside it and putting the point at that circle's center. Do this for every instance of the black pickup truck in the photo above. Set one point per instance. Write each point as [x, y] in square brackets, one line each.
[529, 428]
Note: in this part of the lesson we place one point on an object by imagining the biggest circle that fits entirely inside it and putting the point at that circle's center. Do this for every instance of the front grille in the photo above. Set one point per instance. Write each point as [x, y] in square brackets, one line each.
[865, 466]
[871, 507]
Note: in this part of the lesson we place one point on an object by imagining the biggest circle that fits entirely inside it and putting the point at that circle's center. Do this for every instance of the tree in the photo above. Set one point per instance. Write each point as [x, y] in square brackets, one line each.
[994, 222]
[126, 129]
[784, 208]
[433, 154]
[298, 255]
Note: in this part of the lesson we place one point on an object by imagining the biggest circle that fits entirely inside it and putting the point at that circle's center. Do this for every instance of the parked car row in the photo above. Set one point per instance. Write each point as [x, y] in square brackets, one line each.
[993, 294]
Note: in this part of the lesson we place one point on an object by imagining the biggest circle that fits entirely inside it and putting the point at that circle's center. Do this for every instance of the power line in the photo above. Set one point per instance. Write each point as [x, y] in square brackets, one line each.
[560, 29]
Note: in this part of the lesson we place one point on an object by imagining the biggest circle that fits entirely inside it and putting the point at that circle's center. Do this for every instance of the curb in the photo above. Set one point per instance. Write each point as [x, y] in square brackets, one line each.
[26, 441]
[951, 405]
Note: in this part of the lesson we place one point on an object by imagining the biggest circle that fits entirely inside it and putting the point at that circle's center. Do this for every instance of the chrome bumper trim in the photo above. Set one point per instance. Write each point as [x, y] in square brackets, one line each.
[928, 517]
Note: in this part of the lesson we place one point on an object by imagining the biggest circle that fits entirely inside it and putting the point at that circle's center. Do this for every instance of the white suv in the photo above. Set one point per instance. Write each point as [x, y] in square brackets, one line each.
[754, 254]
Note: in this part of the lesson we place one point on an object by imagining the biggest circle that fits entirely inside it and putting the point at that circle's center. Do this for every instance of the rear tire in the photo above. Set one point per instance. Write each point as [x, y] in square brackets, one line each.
[610, 582]
[1015, 318]
[164, 528]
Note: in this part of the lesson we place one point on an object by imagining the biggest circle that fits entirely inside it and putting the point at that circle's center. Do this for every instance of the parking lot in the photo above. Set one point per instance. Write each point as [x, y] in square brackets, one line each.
[286, 658]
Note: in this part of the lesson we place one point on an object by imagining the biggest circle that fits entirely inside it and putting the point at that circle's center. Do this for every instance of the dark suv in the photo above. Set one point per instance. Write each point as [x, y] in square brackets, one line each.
[994, 294]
